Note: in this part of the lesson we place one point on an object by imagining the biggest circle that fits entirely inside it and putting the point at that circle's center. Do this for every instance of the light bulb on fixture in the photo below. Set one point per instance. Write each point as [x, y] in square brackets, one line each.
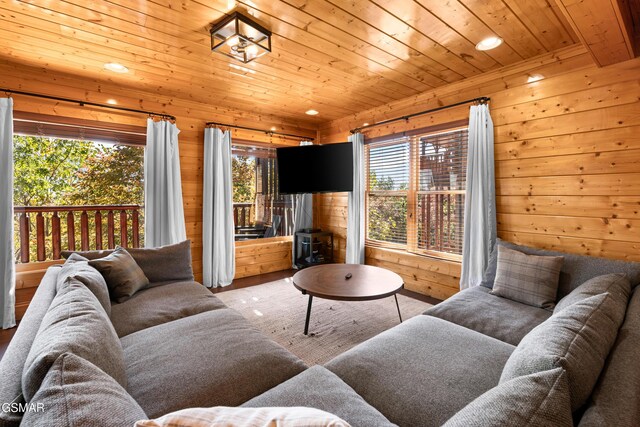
[233, 41]
[252, 50]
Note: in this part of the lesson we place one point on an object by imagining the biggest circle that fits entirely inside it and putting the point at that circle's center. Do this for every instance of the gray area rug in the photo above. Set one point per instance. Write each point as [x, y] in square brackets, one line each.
[278, 309]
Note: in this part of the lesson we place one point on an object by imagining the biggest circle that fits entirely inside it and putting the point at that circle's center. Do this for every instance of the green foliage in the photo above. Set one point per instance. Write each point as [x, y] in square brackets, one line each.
[244, 179]
[45, 169]
[111, 175]
[387, 213]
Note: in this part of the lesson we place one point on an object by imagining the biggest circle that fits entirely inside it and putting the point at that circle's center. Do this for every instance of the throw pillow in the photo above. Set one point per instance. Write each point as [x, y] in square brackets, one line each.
[222, 416]
[123, 275]
[75, 392]
[578, 339]
[529, 279]
[615, 284]
[78, 267]
[166, 263]
[75, 323]
[536, 400]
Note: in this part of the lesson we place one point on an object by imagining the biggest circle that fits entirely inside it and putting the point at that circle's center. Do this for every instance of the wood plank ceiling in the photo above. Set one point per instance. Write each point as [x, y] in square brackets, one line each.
[335, 56]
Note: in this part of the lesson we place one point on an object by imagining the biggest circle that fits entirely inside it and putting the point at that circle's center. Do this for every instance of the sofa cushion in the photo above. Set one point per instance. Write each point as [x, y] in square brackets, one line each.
[214, 358]
[577, 339]
[475, 308]
[529, 279]
[123, 275]
[224, 416]
[310, 388]
[615, 400]
[168, 263]
[576, 269]
[536, 400]
[75, 323]
[162, 304]
[423, 371]
[617, 285]
[75, 392]
[78, 267]
[12, 363]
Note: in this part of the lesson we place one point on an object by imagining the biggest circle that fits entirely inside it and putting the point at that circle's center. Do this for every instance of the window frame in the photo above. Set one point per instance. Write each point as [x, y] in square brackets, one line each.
[247, 144]
[411, 193]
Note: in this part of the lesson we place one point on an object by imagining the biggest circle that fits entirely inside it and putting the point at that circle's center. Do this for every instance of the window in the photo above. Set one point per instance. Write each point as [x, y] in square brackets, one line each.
[258, 209]
[77, 185]
[415, 192]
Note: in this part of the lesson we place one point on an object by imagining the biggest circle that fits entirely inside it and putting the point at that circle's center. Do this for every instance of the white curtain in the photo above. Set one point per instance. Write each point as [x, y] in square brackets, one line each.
[355, 214]
[218, 232]
[303, 215]
[480, 200]
[7, 266]
[163, 209]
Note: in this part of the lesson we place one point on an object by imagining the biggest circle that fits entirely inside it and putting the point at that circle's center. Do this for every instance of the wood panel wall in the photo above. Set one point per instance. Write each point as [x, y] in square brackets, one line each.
[567, 152]
[191, 118]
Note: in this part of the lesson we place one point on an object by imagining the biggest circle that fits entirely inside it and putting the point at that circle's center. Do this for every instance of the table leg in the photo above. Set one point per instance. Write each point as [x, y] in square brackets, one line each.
[397, 306]
[306, 323]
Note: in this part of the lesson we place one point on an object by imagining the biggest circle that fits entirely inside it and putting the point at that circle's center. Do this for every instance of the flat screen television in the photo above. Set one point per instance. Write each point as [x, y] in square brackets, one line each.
[315, 168]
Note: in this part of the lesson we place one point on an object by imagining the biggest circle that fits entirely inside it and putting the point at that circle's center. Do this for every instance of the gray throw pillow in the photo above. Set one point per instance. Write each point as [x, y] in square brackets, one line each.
[75, 392]
[576, 269]
[78, 267]
[170, 263]
[615, 284]
[578, 339]
[536, 400]
[123, 275]
[75, 323]
[529, 279]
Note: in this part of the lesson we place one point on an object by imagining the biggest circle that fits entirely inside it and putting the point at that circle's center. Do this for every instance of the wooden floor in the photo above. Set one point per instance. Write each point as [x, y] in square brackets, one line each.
[6, 335]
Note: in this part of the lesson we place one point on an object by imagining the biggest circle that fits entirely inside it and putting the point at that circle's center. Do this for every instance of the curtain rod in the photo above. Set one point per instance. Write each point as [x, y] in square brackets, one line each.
[482, 100]
[83, 103]
[268, 132]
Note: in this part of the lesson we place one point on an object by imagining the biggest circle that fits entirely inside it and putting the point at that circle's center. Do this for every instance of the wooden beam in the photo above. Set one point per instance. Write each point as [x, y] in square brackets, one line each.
[605, 28]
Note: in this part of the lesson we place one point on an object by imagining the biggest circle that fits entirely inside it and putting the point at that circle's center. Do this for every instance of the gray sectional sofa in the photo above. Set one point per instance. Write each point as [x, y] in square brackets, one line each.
[175, 345]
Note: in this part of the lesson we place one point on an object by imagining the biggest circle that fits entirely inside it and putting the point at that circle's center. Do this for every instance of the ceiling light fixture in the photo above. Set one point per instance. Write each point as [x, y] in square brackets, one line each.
[534, 78]
[311, 112]
[112, 102]
[116, 68]
[489, 43]
[241, 38]
[365, 124]
[273, 128]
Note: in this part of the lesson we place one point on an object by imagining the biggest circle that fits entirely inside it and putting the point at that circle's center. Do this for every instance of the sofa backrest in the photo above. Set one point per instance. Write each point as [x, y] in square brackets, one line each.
[616, 398]
[169, 263]
[13, 361]
[576, 269]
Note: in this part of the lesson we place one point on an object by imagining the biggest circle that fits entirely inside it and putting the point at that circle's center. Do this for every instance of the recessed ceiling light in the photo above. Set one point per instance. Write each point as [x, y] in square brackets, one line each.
[116, 68]
[273, 128]
[534, 78]
[112, 102]
[489, 43]
[365, 124]
[311, 112]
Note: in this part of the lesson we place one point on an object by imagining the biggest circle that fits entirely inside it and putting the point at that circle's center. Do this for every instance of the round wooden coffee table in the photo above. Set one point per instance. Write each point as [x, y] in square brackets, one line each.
[347, 282]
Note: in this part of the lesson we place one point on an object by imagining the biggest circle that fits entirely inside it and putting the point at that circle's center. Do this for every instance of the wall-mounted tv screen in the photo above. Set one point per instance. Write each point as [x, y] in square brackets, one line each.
[315, 168]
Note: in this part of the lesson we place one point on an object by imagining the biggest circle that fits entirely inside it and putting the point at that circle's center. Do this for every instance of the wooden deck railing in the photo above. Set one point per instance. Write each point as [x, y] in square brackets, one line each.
[243, 216]
[51, 234]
